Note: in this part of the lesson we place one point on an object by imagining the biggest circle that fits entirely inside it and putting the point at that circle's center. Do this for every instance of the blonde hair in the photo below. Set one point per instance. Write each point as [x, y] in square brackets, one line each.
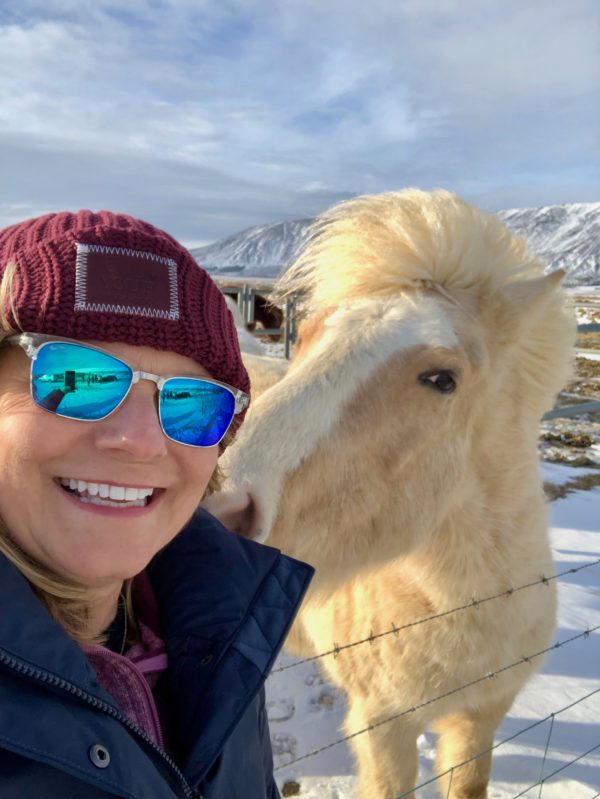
[68, 603]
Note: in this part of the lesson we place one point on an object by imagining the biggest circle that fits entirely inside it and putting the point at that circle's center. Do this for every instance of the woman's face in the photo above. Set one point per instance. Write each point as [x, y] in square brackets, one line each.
[96, 545]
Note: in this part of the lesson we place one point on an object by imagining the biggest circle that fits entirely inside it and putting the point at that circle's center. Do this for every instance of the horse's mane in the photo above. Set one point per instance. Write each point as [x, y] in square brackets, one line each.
[377, 245]
[389, 244]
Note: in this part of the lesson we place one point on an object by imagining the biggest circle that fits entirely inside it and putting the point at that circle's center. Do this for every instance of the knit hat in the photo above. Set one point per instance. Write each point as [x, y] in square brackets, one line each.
[110, 277]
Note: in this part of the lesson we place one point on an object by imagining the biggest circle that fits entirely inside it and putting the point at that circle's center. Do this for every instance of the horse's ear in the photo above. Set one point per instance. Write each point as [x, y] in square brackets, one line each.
[526, 298]
[539, 321]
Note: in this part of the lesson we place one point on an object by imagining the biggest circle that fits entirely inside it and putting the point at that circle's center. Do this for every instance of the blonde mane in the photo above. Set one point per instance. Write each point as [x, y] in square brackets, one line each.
[376, 245]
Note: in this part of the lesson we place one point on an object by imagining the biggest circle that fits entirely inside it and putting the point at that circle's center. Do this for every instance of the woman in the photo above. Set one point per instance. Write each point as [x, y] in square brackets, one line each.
[136, 633]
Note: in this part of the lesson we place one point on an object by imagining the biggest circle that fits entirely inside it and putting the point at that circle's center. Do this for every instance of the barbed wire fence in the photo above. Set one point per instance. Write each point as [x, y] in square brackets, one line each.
[474, 603]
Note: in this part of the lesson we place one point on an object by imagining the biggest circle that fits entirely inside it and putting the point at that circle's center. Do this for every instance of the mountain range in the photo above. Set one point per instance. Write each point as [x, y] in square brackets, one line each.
[563, 236]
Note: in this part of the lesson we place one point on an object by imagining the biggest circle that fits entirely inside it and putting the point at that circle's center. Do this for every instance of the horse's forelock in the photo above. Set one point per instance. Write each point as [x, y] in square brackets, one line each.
[378, 245]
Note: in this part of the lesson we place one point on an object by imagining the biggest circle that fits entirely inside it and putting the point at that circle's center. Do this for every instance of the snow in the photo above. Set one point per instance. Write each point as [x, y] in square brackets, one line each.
[592, 356]
[306, 712]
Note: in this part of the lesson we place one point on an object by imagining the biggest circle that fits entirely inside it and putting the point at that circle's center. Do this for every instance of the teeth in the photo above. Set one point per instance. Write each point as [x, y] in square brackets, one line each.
[137, 503]
[104, 491]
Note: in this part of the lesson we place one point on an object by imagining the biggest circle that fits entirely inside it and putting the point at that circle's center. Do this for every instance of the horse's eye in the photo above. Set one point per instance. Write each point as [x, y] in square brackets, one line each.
[442, 380]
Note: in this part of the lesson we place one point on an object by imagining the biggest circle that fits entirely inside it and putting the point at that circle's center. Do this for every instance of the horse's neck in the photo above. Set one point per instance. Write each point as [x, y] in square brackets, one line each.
[490, 543]
[491, 538]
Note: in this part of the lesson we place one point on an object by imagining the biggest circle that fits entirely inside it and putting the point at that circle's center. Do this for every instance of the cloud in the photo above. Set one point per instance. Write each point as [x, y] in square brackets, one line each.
[207, 115]
[192, 202]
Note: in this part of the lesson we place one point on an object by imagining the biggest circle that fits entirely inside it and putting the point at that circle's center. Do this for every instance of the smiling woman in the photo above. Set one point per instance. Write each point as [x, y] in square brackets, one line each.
[121, 382]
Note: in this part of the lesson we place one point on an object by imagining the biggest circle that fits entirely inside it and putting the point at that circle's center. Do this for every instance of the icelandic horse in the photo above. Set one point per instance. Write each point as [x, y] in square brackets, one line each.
[398, 455]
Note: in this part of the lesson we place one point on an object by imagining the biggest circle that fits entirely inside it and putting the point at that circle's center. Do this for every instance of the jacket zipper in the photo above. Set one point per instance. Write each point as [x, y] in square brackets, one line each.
[58, 682]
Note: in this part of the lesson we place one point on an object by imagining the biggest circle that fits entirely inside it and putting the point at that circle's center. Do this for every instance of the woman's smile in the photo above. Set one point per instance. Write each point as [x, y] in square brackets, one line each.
[97, 497]
[107, 490]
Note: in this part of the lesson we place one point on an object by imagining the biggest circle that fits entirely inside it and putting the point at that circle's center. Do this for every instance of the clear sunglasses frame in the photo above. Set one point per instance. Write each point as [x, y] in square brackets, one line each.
[33, 343]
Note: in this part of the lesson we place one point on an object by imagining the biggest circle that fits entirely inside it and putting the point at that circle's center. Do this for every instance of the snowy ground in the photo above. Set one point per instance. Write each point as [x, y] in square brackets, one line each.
[305, 712]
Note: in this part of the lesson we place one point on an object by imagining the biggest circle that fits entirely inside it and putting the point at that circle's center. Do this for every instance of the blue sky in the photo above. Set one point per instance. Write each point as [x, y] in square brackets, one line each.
[209, 116]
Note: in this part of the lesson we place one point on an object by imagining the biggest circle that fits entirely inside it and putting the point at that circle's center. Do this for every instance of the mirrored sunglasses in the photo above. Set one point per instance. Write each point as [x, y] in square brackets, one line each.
[82, 382]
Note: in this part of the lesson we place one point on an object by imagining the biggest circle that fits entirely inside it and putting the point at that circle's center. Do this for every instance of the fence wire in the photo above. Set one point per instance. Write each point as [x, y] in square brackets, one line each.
[490, 675]
[542, 779]
[473, 604]
[557, 771]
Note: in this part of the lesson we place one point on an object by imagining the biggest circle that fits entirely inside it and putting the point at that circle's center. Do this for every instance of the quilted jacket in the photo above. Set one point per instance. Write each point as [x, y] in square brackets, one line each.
[226, 606]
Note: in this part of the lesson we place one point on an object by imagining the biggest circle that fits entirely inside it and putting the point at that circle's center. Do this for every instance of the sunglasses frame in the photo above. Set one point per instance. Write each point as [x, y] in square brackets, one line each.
[33, 343]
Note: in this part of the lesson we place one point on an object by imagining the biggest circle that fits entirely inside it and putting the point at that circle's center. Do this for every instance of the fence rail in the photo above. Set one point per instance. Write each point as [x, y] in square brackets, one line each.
[246, 294]
[573, 410]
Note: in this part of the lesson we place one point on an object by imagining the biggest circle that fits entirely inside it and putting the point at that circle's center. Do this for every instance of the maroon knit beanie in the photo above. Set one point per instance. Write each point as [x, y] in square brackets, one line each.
[111, 277]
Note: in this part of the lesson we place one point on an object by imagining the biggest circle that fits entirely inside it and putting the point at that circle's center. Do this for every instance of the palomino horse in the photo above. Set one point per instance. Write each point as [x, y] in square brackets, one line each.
[398, 455]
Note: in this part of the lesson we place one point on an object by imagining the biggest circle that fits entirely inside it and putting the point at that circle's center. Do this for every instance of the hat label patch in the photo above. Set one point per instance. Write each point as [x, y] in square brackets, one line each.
[123, 281]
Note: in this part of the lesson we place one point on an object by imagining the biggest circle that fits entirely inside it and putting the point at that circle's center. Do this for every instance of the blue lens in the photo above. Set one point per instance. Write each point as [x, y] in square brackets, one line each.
[77, 381]
[195, 411]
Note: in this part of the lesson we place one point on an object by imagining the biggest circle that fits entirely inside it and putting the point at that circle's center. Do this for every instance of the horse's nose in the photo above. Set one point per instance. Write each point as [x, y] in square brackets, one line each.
[238, 511]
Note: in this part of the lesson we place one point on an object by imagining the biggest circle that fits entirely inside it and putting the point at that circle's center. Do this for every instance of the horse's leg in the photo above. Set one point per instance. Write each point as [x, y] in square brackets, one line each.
[387, 757]
[463, 736]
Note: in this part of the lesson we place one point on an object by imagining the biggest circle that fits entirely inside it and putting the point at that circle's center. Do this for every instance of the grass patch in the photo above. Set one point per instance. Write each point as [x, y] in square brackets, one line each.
[583, 482]
[569, 439]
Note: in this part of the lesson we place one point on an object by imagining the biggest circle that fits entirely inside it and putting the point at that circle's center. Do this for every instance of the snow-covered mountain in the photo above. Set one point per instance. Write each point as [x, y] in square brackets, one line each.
[564, 236]
[260, 251]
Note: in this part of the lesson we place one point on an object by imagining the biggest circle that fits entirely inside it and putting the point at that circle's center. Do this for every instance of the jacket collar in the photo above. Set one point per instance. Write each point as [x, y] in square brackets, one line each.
[30, 634]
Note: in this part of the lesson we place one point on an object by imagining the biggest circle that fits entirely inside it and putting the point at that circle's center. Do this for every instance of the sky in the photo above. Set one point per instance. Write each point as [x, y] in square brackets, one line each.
[206, 117]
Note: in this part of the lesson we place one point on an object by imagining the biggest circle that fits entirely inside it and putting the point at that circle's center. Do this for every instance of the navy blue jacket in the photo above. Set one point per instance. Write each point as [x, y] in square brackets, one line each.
[226, 605]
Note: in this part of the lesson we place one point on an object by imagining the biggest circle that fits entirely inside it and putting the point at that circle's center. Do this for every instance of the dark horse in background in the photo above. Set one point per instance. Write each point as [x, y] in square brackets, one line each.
[266, 315]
